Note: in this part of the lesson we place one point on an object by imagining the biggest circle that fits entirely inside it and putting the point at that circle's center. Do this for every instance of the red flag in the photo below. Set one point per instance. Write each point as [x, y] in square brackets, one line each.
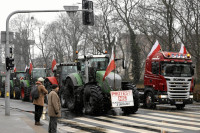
[111, 65]
[156, 47]
[183, 49]
[30, 67]
[15, 69]
[53, 65]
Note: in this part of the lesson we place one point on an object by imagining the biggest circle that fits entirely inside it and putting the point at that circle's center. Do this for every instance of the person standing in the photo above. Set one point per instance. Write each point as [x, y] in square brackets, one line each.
[39, 103]
[54, 108]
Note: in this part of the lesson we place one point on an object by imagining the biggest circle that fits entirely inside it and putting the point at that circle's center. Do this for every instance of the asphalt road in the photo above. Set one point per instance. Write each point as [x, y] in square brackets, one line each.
[164, 119]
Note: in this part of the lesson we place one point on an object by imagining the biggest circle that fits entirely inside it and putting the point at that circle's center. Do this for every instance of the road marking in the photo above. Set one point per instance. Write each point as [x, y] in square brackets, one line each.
[160, 123]
[166, 119]
[162, 129]
[89, 126]
[196, 113]
[114, 125]
[174, 116]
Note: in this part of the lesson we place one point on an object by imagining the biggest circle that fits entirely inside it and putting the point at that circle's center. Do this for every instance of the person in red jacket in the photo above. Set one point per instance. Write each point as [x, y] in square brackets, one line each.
[54, 108]
[39, 103]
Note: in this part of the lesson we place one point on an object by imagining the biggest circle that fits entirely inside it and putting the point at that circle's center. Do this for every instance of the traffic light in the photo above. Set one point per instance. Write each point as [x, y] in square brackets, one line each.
[9, 63]
[87, 16]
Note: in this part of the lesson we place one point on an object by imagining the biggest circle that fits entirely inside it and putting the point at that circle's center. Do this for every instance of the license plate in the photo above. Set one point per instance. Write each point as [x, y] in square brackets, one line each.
[178, 102]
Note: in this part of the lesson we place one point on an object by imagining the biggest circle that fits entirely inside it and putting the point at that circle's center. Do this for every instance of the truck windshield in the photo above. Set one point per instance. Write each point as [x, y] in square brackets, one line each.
[176, 70]
[99, 63]
[36, 73]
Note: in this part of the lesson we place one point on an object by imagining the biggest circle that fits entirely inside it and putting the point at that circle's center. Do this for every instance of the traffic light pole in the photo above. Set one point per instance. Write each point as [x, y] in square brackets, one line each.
[7, 81]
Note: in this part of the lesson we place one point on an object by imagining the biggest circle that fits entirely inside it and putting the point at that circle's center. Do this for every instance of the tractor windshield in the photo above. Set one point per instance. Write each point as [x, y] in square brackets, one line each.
[36, 73]
[66, 70]
[177, 70]
[20, 76]
[99, 63]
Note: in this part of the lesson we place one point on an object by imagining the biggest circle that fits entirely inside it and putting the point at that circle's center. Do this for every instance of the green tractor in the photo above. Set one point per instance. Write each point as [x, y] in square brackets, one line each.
[85, 91]
[60, 74]
[2, 84]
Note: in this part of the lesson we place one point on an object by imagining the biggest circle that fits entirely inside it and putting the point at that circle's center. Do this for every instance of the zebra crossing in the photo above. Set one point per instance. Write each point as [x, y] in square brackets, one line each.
[144, 121]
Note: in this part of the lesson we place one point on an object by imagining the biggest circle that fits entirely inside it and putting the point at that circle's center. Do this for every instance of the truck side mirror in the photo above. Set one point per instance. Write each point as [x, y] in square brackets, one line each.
[78, 66]
[124, 64]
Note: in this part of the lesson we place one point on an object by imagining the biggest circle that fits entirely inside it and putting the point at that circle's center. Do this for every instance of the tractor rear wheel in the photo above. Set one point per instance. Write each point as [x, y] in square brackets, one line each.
[16, 93]
[93, 100]
[63, 98]
[71, 96]
[131, 109]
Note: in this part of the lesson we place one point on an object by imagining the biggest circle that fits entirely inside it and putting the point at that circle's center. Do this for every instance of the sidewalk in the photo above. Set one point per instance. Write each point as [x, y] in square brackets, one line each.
[19, 121]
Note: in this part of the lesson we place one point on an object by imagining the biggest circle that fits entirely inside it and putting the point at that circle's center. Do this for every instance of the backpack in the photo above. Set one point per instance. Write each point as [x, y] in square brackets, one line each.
[35, 92]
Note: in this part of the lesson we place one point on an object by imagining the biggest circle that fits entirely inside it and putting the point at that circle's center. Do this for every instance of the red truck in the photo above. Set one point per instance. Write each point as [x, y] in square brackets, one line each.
[168, 79]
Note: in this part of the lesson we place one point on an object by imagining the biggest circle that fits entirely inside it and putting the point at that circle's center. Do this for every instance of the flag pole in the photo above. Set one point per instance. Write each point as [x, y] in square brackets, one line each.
[115, 67]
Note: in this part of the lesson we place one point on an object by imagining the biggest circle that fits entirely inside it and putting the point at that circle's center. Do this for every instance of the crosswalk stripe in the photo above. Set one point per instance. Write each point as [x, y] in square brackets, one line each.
[175, 113]
[90, 126]
[175, 116]
[196, 113]
[166, 119]
[114, 125]
[162, 129]
[163, 123]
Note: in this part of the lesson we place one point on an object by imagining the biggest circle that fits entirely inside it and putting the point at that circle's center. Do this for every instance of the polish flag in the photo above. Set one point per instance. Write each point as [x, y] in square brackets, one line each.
[53, 65]
[156, 47]
[183, 49]
[15, 69]
[111, 65]
[26, 68]
[30, 67]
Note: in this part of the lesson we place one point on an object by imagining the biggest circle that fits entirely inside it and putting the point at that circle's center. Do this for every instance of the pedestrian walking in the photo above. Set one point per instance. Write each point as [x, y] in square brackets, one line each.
[54, 108]
[39, 103]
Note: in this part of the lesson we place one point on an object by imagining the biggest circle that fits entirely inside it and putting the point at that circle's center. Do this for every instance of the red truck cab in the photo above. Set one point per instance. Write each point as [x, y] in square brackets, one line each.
[168, 79]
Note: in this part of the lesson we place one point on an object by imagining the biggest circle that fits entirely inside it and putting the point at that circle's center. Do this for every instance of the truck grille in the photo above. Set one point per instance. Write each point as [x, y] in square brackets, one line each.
[178, 88]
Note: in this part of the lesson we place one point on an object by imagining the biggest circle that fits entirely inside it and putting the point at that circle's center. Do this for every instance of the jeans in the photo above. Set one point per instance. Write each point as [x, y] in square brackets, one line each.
[53, 125]
[38, 112]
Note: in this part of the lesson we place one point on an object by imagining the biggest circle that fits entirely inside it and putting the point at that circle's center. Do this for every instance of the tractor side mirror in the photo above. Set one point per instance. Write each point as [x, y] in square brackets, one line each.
[78, 66]
[124, 64]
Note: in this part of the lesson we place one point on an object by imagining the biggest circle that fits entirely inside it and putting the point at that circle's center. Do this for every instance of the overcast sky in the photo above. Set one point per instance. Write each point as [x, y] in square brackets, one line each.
[8, 6]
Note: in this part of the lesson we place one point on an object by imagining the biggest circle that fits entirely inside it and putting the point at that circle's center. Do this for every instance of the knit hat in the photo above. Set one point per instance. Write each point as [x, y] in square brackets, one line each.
[54, 86]
[40, 79]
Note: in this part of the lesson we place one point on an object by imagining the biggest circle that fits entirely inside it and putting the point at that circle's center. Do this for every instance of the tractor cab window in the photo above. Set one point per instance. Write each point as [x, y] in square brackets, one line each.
[66, 70]
[99, 63]
[21, 76]
[177, 70]
[36, 73]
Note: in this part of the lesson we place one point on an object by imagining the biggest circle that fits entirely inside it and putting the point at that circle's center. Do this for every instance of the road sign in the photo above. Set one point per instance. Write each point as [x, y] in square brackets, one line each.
[122, 98]
[3, 37]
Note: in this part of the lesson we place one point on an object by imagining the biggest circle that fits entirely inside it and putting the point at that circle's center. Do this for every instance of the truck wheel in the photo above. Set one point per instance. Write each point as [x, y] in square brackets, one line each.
[71, 100]
[180, 106]
[133, 109]
[93, 100]
[149, 101]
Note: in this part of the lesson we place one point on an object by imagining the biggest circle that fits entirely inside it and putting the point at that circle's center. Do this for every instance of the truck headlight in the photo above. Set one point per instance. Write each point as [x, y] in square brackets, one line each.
[191, 96]
[162, 96]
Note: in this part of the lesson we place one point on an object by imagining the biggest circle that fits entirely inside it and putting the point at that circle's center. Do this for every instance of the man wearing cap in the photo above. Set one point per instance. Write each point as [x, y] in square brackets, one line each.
[39, 103]
[54, 108]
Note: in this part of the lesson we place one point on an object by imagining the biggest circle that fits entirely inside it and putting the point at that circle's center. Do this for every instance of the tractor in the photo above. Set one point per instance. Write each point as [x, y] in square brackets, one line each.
[60, 74]
[85, 91]
[2, 84]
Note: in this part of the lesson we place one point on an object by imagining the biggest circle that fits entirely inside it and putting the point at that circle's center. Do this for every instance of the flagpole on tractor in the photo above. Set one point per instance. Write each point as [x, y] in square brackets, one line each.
[114, 69]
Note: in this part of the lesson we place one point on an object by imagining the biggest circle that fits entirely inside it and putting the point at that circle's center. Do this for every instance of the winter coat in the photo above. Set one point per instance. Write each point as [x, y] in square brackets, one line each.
[42, 93]
[54, 106]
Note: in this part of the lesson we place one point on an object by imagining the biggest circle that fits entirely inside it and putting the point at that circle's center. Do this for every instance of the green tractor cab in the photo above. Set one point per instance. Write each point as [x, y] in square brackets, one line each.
[86, 90]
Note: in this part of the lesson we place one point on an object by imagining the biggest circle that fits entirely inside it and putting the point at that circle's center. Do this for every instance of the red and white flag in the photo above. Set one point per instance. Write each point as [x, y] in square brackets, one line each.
[30, 67]
[183, 49]
[111, 66]
[15, 69]
[26, 68]
[156, 47]
[53, 65]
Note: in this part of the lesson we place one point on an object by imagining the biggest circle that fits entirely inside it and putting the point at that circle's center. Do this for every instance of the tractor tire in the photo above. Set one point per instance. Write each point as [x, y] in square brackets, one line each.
[180, 106]
[63, 98]
[149, 101]
[136, 99]
[11, 91]
[93, 100]
[16, 93]
[72, 102]
[2, 93]
[25, 92]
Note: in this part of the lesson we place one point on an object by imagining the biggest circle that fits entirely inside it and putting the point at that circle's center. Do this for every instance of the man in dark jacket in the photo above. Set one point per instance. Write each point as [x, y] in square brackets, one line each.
[54, 108]
[39, 103]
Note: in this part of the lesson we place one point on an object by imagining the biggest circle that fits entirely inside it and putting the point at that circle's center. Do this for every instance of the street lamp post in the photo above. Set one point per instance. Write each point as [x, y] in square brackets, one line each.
[7, 81]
